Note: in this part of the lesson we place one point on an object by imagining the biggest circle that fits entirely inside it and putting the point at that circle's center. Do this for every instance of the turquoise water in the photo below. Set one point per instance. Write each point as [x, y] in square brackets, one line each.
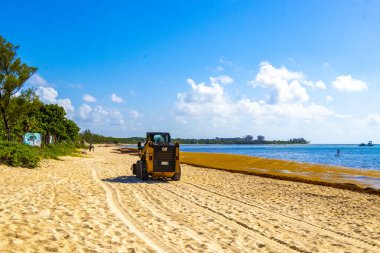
[350, 155]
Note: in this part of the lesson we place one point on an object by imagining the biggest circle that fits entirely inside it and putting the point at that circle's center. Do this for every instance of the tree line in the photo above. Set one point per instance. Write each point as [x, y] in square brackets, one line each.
[90, 137]
[240, 141]
[93, 138]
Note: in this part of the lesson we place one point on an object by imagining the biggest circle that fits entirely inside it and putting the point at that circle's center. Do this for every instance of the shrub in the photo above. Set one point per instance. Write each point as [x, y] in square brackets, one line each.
[60, 149]
[22, 155]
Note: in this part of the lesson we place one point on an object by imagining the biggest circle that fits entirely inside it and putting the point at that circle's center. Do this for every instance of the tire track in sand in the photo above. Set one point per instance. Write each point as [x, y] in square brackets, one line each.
[113, 202]
[148, 202]
[335, 234]
[145, 198]
[275, 243]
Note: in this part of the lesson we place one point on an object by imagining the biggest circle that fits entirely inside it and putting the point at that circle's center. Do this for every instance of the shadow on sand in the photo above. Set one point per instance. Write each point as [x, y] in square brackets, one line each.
[134, 180]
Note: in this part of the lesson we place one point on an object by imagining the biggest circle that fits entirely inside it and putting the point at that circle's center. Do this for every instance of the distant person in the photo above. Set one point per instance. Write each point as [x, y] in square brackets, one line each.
[337, 153]
[91, 148]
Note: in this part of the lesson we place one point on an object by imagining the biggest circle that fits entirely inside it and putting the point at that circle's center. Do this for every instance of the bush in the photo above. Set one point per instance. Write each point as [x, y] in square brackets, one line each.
[22, 155]
[56, 150]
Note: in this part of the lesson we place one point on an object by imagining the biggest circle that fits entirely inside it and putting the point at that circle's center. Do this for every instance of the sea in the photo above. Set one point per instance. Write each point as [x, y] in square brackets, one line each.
[354, 156]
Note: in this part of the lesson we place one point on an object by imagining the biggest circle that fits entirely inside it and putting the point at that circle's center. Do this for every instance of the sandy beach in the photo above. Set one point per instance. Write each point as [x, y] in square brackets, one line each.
[94, 204]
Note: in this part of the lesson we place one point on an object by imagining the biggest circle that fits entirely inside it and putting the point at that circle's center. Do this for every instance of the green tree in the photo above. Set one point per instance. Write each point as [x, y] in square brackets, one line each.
[13, 74]
[19, 108]
[51, 120]
[71, 130]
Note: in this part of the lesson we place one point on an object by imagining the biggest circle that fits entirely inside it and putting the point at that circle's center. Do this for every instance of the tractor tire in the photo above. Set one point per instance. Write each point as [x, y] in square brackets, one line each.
[138, 169]
[177, 176]
[133, 169]
[144, 172]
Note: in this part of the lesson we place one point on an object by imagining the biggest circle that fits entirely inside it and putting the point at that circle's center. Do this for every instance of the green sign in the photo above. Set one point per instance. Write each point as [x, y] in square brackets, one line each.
[32, 139]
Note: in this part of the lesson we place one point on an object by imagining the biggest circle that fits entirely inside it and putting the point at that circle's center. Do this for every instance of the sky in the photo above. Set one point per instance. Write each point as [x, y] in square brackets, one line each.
[205, 69]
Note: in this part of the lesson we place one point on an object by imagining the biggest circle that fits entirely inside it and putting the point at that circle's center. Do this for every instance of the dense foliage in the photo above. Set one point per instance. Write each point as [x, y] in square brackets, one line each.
[22, 155]
[15, 154]
[50, 120]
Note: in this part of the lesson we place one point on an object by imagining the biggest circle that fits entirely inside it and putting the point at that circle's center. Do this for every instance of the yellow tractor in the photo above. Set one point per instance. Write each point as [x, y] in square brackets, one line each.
[159, 158]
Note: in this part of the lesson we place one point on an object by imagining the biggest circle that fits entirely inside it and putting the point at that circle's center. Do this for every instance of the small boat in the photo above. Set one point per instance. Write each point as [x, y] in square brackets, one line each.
[369, 144]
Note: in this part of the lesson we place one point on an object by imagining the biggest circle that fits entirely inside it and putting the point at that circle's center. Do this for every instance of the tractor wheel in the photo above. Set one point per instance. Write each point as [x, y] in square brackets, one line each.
[138, 169]
[133, 169]
[144, 172]
[177, 176]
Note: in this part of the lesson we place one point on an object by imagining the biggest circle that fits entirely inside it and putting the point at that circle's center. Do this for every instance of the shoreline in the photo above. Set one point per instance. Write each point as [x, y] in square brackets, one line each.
[353, 179]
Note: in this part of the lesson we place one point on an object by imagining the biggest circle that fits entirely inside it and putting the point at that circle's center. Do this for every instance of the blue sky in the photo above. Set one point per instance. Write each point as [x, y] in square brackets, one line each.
[282, 69]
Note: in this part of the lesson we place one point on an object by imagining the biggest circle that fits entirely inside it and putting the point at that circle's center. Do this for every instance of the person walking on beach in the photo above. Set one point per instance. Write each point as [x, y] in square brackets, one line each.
[91, 148]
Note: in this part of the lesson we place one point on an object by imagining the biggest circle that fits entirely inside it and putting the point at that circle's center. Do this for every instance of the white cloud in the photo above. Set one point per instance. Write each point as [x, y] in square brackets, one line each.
[321, 85]
[50, 95]
[37, 80]
[100, 116]
[47, 94]
[88, 98]
[286, 85]
[84, 111]
[211, 103]
[222, 79]
[207, 110]
[116, 98]
[329, 98]
[349, 84]
[67, 105]
[203, 100]
[318, 84]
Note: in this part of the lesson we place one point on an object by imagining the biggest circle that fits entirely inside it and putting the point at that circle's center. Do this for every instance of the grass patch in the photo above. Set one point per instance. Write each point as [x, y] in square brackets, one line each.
[22, 155]
[281, 169]
[59, 149]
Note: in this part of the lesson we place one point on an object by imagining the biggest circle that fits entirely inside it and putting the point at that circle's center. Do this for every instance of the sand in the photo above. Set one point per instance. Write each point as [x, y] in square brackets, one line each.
[94, 204]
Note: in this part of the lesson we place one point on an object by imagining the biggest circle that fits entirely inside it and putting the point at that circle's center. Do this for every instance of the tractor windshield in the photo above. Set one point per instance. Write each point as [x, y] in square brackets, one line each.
[161, 138]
